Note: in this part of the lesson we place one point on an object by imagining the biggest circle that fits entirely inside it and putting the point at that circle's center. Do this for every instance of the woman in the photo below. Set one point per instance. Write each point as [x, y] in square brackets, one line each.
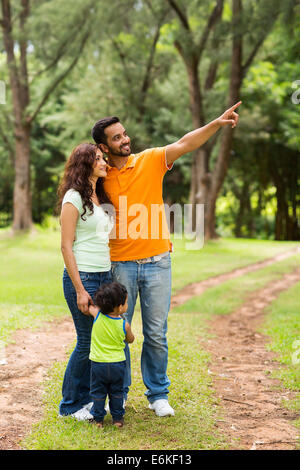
[85, 231]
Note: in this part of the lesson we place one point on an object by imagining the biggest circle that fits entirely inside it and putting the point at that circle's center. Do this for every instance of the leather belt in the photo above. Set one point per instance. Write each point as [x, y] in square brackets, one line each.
[152, 259]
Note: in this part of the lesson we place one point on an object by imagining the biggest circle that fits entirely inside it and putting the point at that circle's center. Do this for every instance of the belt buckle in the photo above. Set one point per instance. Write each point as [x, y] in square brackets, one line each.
[143, 260]
[152, 259]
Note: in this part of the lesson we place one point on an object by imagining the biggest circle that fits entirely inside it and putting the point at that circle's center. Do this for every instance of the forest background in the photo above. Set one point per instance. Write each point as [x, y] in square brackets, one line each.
[164, 67]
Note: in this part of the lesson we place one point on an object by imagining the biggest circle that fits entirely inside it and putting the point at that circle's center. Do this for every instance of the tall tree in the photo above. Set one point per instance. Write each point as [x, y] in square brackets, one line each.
[250, 25]
[139, 65]
[59, 58]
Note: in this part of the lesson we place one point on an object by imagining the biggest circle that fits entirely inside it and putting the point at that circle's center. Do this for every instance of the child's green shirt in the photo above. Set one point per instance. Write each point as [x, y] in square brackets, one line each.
[108, 335]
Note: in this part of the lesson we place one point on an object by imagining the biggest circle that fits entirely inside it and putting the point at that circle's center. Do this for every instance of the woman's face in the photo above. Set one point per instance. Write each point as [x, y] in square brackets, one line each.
[100, 165]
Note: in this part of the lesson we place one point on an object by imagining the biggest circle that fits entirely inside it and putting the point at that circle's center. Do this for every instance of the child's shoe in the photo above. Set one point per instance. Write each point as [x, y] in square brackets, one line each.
[118, 423]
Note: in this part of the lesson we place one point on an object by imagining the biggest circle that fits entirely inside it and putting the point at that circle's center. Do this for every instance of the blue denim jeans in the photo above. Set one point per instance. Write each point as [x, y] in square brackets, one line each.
[76, 383]
[107, 379]
[152, 281]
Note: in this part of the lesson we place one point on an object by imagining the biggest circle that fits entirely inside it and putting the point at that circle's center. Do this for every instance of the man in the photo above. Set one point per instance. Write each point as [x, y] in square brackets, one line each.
[141, 258]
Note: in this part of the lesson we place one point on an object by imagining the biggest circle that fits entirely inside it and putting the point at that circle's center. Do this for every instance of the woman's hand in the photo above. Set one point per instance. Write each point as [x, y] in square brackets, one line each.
[83, 301]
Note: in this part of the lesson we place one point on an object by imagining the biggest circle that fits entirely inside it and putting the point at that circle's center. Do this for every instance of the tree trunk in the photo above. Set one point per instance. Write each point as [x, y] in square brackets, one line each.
[282, 218]
[22, 218]
[22, 191]
[205, 186]
[222, 163]
[20, 91]
[200, 175]
[285, 221]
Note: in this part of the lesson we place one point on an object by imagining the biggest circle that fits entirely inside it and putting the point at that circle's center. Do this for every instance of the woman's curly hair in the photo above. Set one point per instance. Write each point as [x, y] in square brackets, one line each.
[77, 172]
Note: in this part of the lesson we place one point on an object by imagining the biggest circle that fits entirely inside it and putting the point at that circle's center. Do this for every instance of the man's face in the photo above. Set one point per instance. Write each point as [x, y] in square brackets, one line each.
[118, 142]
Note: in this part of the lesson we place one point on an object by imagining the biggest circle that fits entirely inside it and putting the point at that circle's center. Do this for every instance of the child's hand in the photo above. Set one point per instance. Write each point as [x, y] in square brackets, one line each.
[129, 335]
[93, 310]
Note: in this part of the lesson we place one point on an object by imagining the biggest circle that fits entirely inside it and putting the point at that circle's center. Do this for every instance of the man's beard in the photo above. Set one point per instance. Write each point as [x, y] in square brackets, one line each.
[120, 152]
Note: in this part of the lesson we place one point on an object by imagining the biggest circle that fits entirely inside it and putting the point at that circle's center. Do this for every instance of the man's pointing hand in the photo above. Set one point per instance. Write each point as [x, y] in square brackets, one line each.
[230, 117]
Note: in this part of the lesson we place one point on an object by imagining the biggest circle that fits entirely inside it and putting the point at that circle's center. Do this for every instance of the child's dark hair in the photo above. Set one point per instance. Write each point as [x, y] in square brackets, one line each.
[109, 296]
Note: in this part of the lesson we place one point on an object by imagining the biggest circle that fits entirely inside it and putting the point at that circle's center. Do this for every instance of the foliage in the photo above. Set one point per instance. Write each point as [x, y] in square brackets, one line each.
[131, 68]
[264, 173]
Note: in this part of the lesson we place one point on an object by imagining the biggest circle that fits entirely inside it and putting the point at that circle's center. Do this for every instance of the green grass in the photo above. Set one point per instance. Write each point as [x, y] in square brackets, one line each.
[193, 426]
[31, 292]
[282, 325]
[230, 295]
[30, 281]
[219, 256]
[191, 391]
[31, 274]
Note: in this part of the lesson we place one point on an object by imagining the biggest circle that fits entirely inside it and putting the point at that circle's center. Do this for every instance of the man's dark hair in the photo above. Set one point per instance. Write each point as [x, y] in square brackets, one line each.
[109, 296]
[98, 133]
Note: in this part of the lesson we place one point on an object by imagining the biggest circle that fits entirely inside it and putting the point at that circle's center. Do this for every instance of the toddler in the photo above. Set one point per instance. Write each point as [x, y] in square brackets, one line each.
[107, 355]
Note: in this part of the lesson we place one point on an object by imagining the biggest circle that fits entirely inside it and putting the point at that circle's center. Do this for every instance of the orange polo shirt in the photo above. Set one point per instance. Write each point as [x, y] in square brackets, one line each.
[141, 228]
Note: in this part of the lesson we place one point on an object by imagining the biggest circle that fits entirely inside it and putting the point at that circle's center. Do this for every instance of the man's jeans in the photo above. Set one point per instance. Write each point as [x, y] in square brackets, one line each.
[152, 281]
[76, 384]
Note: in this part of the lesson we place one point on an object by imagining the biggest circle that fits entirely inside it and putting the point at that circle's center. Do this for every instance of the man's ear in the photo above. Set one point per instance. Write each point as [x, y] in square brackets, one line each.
[103, 148]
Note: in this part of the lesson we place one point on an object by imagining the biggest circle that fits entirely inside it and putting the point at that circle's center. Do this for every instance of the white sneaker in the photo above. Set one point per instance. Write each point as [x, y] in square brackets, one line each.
[82, 415]
[88, 406]
[162, 408]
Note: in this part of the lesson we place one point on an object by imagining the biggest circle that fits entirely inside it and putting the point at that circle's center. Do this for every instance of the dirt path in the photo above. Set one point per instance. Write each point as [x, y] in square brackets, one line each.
[34, 352]
[198, 288]
[27, 362]
[254, 417]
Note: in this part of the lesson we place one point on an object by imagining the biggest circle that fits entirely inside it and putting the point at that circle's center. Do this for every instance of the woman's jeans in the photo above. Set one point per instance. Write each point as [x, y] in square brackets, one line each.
[152, 281]
[76, 383]
[107, 379]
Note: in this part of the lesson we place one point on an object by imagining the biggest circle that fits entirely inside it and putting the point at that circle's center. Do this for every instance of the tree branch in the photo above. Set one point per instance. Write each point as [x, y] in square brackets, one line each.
[271, 18]
[252, 55]
[10, 58]
[181, 15]
[62, 49]
[212, 71]
[23, 54]
[59, 79]
[212, 20]
[221, 166]
[149, 4]
[197, 49]
[122, 56]
[147, 76]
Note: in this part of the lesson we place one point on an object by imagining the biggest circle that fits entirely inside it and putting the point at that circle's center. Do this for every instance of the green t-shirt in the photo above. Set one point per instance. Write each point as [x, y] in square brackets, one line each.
[90, 247]
[108, 335]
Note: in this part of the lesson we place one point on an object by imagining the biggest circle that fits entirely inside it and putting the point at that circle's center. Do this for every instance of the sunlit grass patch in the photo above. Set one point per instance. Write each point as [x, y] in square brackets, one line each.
[191, 395]
[282, 325]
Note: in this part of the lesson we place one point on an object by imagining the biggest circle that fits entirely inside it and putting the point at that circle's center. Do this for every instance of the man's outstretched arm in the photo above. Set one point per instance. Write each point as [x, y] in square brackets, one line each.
[194, 139]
